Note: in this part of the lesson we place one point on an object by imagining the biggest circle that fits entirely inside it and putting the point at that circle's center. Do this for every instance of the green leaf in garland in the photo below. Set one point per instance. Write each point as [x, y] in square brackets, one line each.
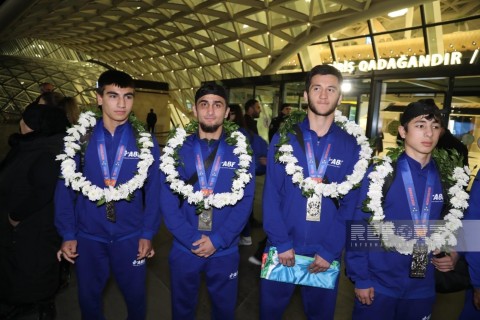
[287, 127]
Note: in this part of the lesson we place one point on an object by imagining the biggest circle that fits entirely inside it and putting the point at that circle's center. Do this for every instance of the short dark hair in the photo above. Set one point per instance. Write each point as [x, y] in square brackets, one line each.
[415, 109]
[115, 77]
[285, 105]
[249, 103]
[323, 69]
[211, 88]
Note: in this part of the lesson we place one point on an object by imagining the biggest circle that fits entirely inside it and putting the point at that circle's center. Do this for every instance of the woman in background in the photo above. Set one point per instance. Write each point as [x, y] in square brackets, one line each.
[29, 270]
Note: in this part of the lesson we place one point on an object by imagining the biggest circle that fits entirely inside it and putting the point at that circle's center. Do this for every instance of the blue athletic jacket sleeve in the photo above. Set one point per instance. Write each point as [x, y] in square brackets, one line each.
[356, 261]
[473, 213]
[152, 214]
[65, 216]
[273, 193]
[180, 216]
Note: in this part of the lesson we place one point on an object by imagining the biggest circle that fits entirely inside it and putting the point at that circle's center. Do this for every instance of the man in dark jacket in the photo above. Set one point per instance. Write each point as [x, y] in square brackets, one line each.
[252, 112]
[285, 110]
[151, 121]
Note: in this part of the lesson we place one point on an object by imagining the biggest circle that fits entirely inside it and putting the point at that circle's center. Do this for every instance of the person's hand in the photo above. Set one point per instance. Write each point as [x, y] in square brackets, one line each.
[14, 223]
[262, 161]
[205, 247]
[145, 249]
[287, 258]
[365, 296]
[318, 265]
[476, 298]
[445, 263]
[68, 251]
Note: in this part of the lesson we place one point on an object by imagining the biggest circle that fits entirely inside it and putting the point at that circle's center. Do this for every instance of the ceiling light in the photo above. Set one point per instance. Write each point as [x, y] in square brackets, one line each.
[346, 87]
[398, 13]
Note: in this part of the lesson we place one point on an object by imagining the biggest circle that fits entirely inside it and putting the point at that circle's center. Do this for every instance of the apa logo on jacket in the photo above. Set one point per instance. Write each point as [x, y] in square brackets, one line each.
[335, 162]
[229, 164]
[138, 263]
[437, 197]
[131, 154]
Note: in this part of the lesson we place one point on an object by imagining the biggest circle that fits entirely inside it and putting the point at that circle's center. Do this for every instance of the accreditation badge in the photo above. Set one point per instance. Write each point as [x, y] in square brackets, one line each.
[111, 215]
[314, 207]
[205, 220]
[419, 264]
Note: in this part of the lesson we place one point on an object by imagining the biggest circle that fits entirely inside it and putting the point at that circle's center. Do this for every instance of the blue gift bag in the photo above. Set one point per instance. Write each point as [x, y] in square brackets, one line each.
[273, 270]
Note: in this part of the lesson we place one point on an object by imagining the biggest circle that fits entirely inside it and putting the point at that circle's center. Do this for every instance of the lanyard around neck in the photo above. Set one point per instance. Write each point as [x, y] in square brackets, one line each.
[420, 216]
[313, 171]
[110, 178]
[208, 186]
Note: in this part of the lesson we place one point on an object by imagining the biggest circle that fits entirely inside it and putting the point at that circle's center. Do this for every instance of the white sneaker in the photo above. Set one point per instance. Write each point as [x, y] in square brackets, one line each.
[255, 261]
[245, 241]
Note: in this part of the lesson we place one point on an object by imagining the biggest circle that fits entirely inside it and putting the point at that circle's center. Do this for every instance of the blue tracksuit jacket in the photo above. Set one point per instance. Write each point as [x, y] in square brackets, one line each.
[473, 213]
[388, 271]
[284, 206]
[76, 214]
[180, 216]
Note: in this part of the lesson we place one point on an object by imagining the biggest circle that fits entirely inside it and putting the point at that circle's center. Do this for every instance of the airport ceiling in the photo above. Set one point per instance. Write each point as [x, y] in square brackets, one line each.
[184, 43]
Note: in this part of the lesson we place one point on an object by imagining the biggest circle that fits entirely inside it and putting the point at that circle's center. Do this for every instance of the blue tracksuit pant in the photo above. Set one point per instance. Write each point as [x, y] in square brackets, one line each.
[93, 264]
[385, 307]
[221, 275]
[469, 311]
[318, 303]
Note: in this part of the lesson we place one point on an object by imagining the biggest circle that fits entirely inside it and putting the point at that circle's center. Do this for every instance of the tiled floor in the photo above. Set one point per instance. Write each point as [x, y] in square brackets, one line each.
[447, 307]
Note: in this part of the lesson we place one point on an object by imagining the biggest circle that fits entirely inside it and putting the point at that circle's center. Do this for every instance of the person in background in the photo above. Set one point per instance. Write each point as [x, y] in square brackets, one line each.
[379, 143]
[390, 284]
[50, 98]
[252, 112]
[44, 88]
[260, 148]
[70, 106]
[205, 239]
[151, 121]
[447, 140]
[285, 110]
[292, 227]
[104, 229]
[28, 239]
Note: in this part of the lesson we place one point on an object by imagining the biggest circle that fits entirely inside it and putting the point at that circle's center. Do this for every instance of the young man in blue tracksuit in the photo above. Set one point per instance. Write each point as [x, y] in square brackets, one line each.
[386, 287]
[285, 207]
[471, 309]
[206, 242]
[113, 237]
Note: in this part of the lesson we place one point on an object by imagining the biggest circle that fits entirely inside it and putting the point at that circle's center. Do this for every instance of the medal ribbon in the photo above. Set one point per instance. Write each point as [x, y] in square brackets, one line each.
[207, 187]
[419, 218]
[110, 179]
[316, 174]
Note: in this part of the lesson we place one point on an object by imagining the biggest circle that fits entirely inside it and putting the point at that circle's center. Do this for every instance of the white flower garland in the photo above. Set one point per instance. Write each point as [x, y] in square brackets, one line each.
[443, 236]
[78, 182]
[242, 177]
[314, 189]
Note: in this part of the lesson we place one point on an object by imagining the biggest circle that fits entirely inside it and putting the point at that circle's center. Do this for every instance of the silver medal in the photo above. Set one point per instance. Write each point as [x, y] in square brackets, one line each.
[314, 206]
